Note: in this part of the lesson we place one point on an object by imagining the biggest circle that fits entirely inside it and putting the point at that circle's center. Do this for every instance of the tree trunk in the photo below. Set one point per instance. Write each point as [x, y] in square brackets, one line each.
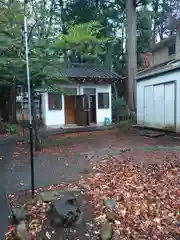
[2, 128]
[154, 32]
[13, 103]
[35, 126]
[155, 10]
[132, 55]
[108, 57]
[115, 91]
[5, 93]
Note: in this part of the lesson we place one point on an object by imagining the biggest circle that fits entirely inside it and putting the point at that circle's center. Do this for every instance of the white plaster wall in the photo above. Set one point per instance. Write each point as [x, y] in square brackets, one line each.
[167, 77]
[53, 118]
[56, 118]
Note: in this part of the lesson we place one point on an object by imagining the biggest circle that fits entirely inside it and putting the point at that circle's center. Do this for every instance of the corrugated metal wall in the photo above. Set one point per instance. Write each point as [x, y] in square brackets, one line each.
[157, 102]
[159, 105]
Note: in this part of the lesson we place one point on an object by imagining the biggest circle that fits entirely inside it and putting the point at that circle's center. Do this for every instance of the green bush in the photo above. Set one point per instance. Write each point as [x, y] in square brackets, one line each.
[121, 111]
[11, 128]
[126, 124]
[119, 108]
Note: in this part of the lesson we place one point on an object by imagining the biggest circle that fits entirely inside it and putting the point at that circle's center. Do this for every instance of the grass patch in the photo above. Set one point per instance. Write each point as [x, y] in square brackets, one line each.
[125, 125]
[3, 142]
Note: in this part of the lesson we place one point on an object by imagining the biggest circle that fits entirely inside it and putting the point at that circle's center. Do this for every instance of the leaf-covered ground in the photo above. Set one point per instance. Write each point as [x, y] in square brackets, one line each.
[147, 199]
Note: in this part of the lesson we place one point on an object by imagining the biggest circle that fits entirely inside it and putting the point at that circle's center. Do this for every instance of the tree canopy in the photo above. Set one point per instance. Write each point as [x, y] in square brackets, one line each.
[90, 29]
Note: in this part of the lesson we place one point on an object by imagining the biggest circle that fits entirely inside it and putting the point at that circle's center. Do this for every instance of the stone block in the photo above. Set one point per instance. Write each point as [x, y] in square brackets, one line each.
[106, 231]
[64, 211]
[20, 213]
[22, 232]
[49, 196]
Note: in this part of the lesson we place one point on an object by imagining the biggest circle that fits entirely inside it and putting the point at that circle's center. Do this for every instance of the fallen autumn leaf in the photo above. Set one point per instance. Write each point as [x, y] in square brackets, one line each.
[147, 198]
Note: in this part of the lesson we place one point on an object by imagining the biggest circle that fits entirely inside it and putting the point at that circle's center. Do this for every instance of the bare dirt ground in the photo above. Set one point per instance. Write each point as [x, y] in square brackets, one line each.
[70, 156]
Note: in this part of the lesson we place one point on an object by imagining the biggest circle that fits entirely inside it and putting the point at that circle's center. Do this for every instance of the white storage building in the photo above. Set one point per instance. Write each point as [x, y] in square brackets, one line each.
[158, 97]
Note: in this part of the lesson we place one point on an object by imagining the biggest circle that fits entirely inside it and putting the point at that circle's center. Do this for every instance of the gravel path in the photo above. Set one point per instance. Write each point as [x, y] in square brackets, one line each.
[69, 162]
[6, 153]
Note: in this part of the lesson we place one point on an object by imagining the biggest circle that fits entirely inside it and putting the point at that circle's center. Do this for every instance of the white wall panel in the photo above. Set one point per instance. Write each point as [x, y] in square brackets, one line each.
[169, 102]
[159, 105]
[148, 105]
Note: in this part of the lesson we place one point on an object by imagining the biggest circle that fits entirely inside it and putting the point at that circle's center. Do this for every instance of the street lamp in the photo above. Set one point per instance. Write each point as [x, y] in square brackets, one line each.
[29, 98]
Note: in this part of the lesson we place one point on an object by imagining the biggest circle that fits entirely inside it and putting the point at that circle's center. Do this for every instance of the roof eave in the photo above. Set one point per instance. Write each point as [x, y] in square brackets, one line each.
[98, 79]
[160, 71]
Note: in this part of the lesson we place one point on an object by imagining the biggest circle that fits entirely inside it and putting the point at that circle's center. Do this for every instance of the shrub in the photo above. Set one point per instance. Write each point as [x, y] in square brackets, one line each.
[11, 128]
[121, 111]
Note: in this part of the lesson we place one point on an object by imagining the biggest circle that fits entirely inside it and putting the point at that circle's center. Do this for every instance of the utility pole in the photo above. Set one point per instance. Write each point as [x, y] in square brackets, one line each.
[29, 85]
[132, 54]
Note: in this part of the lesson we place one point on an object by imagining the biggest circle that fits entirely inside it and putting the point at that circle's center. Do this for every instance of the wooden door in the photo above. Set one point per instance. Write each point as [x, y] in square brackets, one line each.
[82, 110]
[70, 112]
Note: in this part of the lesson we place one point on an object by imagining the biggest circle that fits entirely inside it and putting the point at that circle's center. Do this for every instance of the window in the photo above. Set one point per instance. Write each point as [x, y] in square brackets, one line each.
[54, 101]
[103, 100]
[172, 50]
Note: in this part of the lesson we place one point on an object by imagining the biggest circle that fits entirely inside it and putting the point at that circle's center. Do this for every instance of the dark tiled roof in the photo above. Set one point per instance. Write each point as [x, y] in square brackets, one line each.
[89, 71]
[156, 67]
[159, 69]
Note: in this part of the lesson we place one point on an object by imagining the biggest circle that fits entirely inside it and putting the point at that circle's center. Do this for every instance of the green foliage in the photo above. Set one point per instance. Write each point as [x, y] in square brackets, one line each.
[162, 12]
[84, 10]
[83, 40]
[144, 33]
[126, 125]
[121, 111]
[44, 64]
[118, 104]
[142, 2]
[144, 29]
[11, 128]
[81, 33]
[47, 49]
[94, 34]
[11, 20]
[119, 108]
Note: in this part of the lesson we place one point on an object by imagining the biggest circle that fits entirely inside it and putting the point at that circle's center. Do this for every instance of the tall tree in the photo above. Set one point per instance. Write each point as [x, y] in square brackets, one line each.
[11, 64]
[144, 33]
[132, 56]
[81, 11]
[83, 43]
[164, 14]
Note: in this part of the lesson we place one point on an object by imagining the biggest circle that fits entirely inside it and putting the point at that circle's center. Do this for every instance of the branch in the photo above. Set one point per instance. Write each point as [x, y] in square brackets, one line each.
[3, 3]
[30, 32]
[51, 16]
